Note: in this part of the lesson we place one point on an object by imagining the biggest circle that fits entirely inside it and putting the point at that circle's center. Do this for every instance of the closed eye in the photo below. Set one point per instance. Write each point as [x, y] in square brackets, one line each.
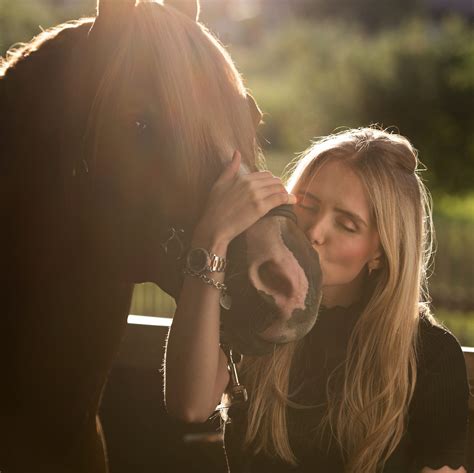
[347, 228]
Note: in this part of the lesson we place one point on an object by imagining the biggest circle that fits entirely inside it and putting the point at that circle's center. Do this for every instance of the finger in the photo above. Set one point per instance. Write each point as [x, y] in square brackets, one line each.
[278, 199]
[292, 199]
[255, 176]
[270, 182]
[231, 169]
[266, 191]
[256, 185]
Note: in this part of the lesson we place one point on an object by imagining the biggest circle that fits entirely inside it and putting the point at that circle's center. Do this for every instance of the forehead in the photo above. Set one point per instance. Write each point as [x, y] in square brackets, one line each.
[337, 185]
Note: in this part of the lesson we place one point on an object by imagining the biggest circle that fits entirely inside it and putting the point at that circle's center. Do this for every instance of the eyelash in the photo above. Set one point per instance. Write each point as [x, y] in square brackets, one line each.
[313, 210]
[347, 228]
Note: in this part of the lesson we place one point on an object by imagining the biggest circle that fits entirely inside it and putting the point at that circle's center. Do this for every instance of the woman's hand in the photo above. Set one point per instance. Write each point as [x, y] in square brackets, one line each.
[237, 201]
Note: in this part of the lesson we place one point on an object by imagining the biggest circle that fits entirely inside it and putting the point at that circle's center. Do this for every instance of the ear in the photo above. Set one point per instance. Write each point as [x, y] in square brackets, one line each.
[189, 7]
[255, 111]
[376, 262]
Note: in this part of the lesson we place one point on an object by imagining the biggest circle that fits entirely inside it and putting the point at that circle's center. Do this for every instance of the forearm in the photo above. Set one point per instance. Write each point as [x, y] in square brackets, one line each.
[192, 350]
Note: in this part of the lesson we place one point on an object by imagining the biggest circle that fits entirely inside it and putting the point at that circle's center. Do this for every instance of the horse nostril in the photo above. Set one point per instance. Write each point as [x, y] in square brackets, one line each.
[274, 280]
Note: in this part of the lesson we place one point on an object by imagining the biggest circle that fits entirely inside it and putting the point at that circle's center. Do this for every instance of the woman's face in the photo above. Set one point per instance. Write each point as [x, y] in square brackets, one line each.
[334, 212]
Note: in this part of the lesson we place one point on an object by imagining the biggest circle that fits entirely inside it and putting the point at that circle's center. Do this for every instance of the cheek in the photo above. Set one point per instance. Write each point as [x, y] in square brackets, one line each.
[346, 255]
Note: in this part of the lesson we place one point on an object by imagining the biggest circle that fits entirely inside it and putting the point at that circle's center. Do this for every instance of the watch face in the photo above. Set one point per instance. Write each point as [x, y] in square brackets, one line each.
[198, 260]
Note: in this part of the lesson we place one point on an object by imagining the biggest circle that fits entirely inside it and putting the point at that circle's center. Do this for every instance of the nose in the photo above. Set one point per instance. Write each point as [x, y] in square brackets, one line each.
[316, 232]
[283, 280]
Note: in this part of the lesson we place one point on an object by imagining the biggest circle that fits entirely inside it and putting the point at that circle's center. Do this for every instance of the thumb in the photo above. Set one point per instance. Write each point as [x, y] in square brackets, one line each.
[232, 168]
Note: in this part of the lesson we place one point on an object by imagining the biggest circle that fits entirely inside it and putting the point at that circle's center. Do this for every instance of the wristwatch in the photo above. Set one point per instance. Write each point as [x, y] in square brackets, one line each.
[199, 260]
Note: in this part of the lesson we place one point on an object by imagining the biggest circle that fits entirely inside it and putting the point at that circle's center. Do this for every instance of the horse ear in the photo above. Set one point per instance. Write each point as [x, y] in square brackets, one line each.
[188, 7]
[111, 14]
[255, 111]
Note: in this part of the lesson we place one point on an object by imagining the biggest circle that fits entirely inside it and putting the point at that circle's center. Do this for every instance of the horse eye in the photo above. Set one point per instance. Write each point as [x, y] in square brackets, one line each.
[141, 125]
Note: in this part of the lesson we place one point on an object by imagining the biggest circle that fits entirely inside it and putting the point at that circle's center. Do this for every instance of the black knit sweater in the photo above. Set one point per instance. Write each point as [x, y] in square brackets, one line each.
[436, 433]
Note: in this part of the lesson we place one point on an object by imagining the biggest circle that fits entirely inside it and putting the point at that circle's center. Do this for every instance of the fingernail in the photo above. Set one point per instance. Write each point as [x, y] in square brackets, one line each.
[233, 158]
[292, 199]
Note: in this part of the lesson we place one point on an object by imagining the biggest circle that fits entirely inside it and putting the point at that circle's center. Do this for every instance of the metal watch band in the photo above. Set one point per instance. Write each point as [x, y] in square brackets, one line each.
[217, 263]
[200, 260]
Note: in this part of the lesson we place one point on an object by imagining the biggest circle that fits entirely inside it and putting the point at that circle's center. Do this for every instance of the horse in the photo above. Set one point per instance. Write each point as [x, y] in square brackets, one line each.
[113, 129]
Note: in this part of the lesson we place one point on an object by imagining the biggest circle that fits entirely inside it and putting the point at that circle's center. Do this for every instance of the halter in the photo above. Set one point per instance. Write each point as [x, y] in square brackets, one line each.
[176, 242]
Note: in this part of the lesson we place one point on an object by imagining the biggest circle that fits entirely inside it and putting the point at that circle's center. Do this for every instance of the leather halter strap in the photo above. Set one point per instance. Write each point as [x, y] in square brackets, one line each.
[283, 211]
[175, 241]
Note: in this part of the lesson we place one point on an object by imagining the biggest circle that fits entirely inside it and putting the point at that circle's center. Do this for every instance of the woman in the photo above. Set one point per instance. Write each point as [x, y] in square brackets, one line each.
[377, 385]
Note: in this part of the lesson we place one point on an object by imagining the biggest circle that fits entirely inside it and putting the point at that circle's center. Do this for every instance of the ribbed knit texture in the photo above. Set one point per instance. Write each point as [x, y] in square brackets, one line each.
[437, 427]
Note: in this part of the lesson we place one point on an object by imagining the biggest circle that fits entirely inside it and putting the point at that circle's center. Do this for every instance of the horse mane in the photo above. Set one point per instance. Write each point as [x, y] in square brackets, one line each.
[200, 92]
[19, 51]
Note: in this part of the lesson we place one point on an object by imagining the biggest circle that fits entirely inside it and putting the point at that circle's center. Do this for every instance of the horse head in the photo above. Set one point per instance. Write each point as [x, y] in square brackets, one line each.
[133, 115]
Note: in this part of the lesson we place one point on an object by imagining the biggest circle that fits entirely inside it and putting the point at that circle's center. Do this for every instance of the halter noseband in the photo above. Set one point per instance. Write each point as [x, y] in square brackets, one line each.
[175, 241]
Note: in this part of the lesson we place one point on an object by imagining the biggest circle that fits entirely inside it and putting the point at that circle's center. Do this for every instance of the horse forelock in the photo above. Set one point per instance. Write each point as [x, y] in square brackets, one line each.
[192, 83]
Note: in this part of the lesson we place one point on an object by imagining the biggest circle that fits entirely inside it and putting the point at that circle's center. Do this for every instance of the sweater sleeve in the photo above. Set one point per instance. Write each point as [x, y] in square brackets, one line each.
[438, 418]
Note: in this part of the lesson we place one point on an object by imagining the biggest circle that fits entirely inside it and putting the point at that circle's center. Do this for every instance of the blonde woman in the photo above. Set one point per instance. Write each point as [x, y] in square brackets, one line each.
[377, 385]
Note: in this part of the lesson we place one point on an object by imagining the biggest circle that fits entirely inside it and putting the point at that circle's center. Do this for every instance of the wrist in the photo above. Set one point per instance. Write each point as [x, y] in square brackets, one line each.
[214, 243]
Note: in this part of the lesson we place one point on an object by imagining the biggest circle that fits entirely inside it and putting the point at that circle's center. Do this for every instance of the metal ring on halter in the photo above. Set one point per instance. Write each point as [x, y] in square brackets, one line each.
[174, 237]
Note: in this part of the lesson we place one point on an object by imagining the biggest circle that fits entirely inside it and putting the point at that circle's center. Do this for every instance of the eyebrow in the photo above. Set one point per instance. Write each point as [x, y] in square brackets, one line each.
[354, 216]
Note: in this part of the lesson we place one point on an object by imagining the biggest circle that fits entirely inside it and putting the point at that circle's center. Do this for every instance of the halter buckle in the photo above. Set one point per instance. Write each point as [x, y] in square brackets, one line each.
[174, 242]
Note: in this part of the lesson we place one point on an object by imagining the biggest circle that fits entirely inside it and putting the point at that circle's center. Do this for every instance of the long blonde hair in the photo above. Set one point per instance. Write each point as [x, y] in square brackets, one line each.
[367, 418]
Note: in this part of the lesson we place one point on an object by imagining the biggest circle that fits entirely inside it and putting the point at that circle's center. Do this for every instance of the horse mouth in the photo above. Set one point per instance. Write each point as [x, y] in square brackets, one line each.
[280, 329]
[286, 331]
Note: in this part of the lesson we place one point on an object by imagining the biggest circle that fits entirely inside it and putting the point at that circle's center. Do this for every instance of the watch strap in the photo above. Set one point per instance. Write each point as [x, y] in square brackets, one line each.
[217, 264]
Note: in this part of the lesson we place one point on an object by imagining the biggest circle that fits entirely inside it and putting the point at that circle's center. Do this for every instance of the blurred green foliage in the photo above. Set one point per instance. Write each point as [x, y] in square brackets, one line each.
[313, 78]
[371, 14]
[459, 323]
[456, 207]
[20, 20]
